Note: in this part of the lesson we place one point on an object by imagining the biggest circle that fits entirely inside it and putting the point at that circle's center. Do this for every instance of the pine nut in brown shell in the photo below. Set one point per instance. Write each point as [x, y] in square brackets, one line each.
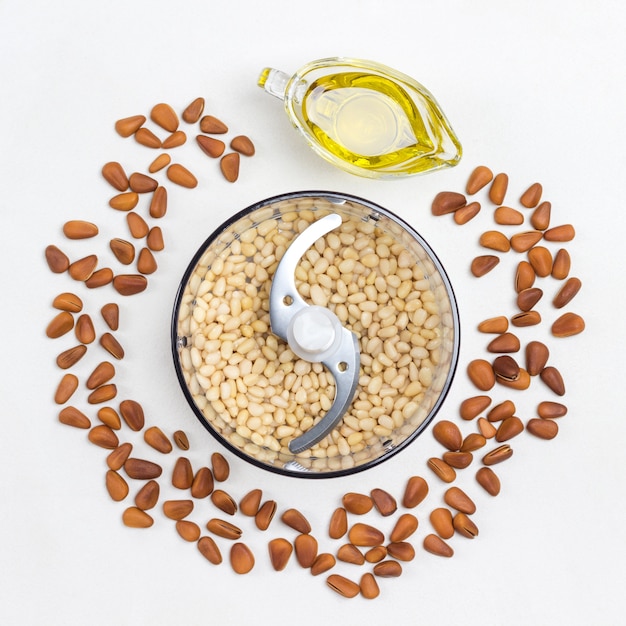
[447, 433]
[480, 372]
[83, 268]
[361, 534]
[532, 196]
[142, 183]
[480, 177]
[177, 509]
[181, 440]
[79, 229]
[499, 185]
[127, 126]
[84, 329]
[103, 373]
[553, 379]
[458, 460]
[522, 242]
[57, 260]
[541, 261]
[243, 145]
[182, 474]
[116, 486]
[104, 436]
[567, 292]
[134, 517]
[180, 175]
[483, 264]
[280, 551]
[473, 442]
[495, 240]
[241, 558]
[567, 325]
[405, 526]
[388, 569]
[415, 492]
[338, 525]
[175, 140]
[146, 263]
[542, 428]
[157, 439]
[551, 410]
[110, 417]
[193, 111]
[305, 547]
[507, 216]
[70, 357]
[488, 480]
[524, 276]
[112, 345]
[212, 147]
[224, 529]
[111, 315]
[189, 531]
[447, 202]
[130, 284]
[498, 325]
[376, 554]
[498, 455]
[504, 343]
[66, 388]
[203, 484]
[466, 213]
[505, 367]
[520, 383]
[561, 265]
[441, 521]
[229, 165]
[220, 467]
[147, 138]
[349, 553]
[148, 496]
[399, 550]
[441, 469]
[212, 125]
[125, 201]
[163, 160]
[116, 459]
[562, 233]
[209, 550]
[323, 563]
[368, 586]
[384, 502]
[294, 519]
[459, 500]
[71, 416]
[132, 413]
[69, 302]
[101, 277]
[540, 219]
[474, 406]
[142, 469]
[537, 354]
[250, 503]
[501, 411]
[437, 546]
[115, 175]
[154, 240]
[104, 393]
[158, 203]
[357, 503]
[265, 515]
[509, 428]
[343, 586]
[465, 526]
[527, 298]
[526, 318]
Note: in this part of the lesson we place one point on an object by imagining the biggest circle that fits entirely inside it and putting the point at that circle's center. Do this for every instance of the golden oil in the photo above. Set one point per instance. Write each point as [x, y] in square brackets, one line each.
[366, 118]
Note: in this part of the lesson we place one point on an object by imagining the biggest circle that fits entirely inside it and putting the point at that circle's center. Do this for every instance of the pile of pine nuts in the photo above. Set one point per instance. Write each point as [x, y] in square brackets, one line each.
[251, 387]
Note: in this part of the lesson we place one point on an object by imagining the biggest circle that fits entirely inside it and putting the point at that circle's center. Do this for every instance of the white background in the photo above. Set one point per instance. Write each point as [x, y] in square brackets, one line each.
[535, 89]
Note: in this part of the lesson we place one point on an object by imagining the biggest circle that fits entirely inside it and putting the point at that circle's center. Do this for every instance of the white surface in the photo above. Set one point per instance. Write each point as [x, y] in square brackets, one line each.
[533, 89]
